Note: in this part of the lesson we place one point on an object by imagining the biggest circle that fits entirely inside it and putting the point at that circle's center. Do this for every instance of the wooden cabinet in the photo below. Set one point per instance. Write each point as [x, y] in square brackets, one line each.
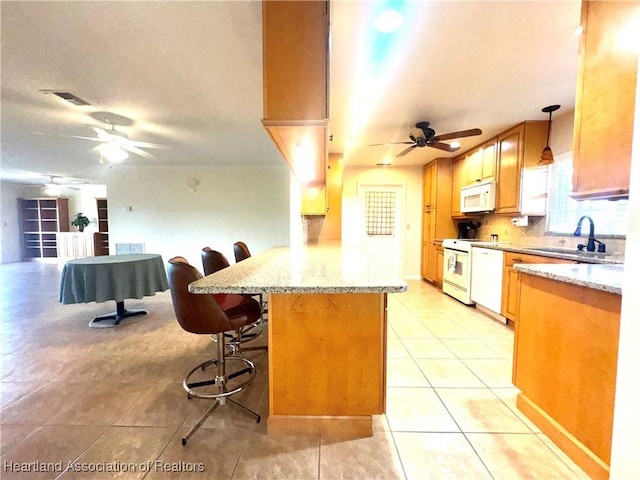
[101, 237]
[437, 223]
[459, 180]
[103, 214]
[511, 281]
[314, 201]
[295, 78]
[605, 100]
[439, 264]
[565, 364]
[40, 221]
[475, 166]
[522, 183]
[75, 244]
[481, 163]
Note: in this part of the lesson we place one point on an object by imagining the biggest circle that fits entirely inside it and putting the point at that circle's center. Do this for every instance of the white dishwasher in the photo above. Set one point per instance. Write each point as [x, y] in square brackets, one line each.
[486, 277]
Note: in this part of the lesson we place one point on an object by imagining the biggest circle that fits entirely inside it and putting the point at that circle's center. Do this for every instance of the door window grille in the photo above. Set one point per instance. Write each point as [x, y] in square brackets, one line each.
[380, 211]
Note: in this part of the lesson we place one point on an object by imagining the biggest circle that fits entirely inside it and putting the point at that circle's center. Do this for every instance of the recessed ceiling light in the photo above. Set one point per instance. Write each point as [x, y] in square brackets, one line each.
[389, 21]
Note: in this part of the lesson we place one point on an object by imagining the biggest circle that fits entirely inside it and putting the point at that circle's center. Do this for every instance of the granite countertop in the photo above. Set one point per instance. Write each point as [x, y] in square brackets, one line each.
[601, 277]
[556, 252]
[307, 269]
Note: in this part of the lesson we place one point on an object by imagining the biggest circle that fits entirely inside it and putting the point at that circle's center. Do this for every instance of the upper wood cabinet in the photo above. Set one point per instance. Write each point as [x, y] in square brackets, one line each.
[318, 201]
[459, 180]
[605, 100]
[295, 80]
[475, 166]
[481, 163]
[522, 183]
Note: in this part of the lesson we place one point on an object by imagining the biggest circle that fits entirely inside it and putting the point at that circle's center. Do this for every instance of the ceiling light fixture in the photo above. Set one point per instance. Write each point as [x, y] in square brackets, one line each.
[389, 21]
[546, 157]
[52, 189]
[113, 152]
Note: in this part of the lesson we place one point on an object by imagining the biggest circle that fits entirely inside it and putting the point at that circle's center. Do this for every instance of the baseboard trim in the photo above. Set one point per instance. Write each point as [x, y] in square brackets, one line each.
[412, 277]
[588, 461]
[333, 426]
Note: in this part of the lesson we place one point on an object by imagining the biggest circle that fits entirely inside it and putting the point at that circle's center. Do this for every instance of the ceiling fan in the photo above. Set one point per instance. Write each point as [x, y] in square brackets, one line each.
[430, 139]
[54, 184]
[114, 144]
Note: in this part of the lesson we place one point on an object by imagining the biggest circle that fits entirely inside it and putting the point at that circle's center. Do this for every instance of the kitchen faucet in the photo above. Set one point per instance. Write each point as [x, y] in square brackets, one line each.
[591, 243]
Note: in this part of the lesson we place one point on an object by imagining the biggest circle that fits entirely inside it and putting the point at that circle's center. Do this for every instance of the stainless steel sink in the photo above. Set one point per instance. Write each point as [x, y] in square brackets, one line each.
[570, 251]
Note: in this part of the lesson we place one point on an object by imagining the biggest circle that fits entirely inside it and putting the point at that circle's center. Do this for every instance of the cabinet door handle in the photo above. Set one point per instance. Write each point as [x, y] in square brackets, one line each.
[517, 260]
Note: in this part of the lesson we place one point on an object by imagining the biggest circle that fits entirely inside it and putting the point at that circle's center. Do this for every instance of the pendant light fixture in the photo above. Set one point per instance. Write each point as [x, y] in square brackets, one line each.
[546, 157]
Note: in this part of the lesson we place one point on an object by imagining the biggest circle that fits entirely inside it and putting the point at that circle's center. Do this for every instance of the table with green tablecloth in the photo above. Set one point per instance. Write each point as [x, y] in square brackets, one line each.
[113, 277]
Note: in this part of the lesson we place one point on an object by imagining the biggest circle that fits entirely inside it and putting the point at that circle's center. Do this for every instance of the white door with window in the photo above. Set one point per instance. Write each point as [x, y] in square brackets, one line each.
[382, 213]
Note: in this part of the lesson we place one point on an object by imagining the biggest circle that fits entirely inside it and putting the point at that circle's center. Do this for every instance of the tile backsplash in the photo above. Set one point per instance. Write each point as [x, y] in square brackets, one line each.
[535, 234]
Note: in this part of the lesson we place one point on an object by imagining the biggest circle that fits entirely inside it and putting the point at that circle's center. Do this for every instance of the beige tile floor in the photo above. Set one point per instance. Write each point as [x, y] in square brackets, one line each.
[111, 399]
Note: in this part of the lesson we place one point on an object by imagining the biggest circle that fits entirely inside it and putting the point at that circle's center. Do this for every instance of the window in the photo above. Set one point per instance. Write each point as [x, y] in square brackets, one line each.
[610, 217]
[380, 211]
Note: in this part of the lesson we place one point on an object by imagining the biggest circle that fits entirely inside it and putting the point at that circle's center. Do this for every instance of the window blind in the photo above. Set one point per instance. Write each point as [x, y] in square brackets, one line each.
[610, 217]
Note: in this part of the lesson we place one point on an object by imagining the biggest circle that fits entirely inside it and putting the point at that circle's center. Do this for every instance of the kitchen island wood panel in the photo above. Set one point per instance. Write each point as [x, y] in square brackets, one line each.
[565, 360]
[327, 361]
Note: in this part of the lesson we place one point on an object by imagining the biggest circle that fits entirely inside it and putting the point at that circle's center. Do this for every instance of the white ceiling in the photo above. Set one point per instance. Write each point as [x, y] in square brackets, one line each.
[188, 75]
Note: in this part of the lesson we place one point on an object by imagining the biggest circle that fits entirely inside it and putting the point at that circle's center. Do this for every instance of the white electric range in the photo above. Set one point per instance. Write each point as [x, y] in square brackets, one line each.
[457, 268]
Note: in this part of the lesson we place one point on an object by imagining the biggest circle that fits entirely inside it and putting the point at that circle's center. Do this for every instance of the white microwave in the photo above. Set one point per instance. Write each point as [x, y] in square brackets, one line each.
[480, 197]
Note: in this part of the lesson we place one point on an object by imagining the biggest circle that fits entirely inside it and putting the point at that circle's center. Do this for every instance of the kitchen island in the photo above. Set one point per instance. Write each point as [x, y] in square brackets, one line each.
[566, 354]
[327, 334]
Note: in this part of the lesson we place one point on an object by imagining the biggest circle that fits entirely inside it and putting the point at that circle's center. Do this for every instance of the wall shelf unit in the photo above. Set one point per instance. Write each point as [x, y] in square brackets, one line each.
[40, 221]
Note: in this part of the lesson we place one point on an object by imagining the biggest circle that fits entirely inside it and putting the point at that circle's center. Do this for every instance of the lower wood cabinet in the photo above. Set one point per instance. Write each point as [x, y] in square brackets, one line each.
[439, 264]
[511, 281]
[565, 364]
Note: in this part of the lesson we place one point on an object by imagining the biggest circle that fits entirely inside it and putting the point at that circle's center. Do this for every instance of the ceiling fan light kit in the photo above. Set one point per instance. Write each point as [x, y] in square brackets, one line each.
[113, 152]
[546, 157]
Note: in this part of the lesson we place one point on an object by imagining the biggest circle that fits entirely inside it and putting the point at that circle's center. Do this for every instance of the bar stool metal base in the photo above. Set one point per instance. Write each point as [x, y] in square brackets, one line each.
[221, 379]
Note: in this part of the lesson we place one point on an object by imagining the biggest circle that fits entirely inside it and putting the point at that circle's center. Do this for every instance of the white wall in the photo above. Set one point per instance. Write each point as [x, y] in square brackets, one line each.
[84, 201]
[625, 461]
[229, 204]
[10, 220]
[411, 178]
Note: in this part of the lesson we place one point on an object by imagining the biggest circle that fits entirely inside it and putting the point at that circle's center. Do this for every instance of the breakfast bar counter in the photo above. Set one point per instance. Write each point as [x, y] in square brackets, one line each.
[327, 334]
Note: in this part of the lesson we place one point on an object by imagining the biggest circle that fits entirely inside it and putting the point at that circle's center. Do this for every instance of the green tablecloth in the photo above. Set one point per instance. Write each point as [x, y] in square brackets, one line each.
[112, 277]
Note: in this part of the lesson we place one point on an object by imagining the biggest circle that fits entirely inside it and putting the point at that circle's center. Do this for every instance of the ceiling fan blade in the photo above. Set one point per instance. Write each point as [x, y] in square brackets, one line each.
[406, 150]
[391, 143]
[138, 151]
[460, 134]
[103, 135]
[442, 146]
[66, 136]
[146, 144]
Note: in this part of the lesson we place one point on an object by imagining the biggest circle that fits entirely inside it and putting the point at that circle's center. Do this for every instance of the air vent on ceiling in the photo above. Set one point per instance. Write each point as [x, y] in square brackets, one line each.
[67, 97]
